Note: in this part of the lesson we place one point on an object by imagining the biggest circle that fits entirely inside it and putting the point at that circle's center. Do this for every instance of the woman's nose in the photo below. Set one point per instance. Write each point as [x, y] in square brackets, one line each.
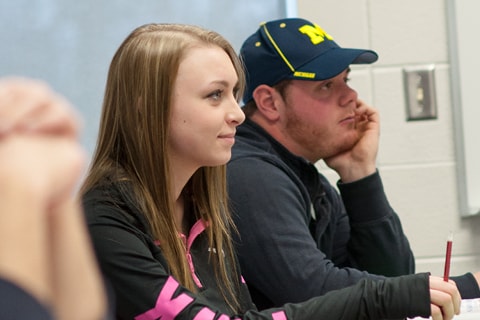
[235, 114]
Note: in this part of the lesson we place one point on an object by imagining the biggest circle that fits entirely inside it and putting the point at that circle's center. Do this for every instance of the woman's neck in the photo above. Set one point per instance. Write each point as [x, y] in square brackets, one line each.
[183, 211]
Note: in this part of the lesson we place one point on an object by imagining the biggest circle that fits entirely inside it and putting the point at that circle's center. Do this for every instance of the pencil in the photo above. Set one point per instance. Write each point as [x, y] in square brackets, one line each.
[448, 255]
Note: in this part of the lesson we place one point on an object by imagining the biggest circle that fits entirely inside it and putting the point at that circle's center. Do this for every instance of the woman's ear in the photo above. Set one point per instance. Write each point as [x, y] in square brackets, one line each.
[266, 99]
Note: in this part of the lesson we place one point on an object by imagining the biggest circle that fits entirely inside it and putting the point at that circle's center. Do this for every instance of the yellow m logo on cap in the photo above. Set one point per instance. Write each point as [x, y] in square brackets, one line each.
[315, 33]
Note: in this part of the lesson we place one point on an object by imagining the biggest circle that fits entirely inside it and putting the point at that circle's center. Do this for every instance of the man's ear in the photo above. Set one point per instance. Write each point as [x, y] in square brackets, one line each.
[266, 100]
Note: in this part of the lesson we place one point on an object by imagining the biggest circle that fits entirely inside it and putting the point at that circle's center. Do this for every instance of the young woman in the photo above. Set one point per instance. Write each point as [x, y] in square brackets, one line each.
[155, 196]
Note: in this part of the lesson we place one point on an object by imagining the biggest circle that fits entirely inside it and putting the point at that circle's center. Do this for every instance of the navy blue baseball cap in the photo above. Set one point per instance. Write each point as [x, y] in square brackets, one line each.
[295, 48]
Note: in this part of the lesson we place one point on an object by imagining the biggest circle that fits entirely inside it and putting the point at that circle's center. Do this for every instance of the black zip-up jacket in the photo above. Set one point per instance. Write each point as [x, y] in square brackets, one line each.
[132, 262]
[299, 237]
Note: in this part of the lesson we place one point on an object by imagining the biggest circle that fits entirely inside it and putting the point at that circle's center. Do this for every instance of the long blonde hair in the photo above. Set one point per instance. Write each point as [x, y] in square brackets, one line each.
[132, 145]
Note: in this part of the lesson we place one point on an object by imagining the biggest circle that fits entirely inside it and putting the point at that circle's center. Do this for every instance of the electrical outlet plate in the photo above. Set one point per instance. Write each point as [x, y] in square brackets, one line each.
[419, 84]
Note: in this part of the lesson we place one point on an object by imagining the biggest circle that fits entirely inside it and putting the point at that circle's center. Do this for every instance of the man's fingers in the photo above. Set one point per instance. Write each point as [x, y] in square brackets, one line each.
[51, 165]
[30, 106]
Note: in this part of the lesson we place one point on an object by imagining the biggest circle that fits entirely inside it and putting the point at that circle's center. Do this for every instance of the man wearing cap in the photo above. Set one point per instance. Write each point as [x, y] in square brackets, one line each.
[298, 236]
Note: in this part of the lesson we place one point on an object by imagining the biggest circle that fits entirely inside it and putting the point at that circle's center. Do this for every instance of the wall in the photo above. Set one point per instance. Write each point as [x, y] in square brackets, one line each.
[417, 159]
[465, 66]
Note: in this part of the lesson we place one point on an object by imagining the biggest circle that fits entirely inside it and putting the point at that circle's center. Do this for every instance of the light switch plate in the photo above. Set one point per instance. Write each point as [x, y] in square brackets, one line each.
[419, 85]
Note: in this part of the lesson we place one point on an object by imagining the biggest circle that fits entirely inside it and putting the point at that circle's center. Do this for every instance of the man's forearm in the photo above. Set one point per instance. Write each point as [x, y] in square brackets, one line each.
[22, 231]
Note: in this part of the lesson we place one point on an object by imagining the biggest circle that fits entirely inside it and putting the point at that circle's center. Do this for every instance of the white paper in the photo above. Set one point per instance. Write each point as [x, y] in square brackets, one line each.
[469, 310]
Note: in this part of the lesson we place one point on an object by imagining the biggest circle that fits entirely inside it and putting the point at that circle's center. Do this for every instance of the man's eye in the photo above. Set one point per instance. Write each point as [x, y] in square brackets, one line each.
[327, 86]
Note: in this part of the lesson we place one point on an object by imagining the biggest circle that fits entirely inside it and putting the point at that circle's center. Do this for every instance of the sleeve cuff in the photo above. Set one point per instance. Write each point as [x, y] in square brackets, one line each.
[467, 285]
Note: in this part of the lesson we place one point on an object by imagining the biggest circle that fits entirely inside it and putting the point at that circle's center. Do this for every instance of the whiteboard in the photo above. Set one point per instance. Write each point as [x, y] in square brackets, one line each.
[464, 27]
[70, 43]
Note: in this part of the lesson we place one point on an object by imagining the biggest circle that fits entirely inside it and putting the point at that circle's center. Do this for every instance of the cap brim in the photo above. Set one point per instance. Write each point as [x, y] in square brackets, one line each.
[334, 61]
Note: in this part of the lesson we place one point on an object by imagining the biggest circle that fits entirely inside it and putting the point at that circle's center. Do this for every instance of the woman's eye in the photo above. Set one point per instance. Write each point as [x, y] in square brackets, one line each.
[216, 95]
